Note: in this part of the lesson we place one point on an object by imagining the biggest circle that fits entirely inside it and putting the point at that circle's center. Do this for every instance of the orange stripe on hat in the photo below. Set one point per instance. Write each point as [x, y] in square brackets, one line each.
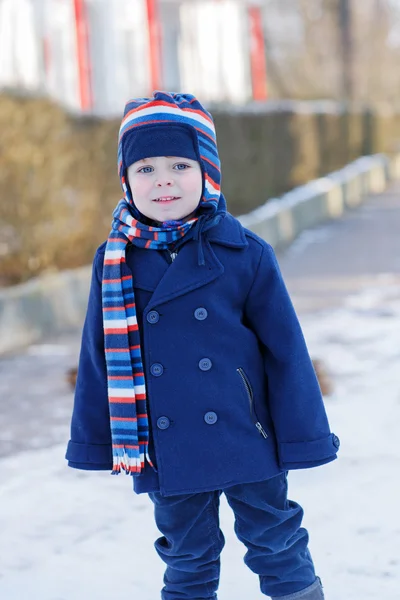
[211, 163]
[149, 105]
[213, 183]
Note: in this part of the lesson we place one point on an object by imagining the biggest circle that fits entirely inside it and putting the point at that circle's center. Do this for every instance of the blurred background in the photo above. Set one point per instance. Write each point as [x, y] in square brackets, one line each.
[91, 55]
[300, 91]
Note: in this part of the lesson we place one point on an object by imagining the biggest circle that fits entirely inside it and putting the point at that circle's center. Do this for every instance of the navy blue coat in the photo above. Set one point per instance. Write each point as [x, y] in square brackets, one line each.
[232, 393]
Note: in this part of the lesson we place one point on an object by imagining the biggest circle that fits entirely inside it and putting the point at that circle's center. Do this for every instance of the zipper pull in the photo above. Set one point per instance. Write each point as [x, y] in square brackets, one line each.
[261, 430]
[173, 255]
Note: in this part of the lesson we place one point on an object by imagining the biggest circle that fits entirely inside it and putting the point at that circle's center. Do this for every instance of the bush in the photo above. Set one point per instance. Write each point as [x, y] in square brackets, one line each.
[59, 181]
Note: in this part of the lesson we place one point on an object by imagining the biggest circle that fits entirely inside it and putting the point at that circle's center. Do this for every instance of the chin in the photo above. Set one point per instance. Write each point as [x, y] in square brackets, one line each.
[169, 217]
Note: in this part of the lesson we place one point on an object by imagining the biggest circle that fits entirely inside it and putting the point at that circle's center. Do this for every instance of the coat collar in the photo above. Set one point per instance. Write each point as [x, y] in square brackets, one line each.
[184, 274]
[229, 232]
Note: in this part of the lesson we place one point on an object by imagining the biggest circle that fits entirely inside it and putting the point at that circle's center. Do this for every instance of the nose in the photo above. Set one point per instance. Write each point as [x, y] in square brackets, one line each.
[162, 181]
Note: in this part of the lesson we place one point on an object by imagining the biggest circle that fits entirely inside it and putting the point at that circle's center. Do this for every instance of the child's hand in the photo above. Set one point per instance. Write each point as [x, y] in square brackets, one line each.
[324, 379]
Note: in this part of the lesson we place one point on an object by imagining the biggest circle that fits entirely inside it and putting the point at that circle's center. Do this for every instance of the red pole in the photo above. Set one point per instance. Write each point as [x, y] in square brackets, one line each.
[154, 27]
[46, 55]
[83, 55]
[257, 54]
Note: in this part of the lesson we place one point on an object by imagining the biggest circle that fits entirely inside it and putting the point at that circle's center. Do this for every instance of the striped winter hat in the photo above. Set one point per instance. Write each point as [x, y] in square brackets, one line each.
[154, 118]
[159, 124]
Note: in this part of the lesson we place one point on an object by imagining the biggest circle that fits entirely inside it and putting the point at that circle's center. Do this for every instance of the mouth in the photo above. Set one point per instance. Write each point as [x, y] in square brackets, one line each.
[166, 199]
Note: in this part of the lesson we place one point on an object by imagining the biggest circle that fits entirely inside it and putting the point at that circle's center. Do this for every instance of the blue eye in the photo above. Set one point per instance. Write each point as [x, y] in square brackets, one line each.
[146, 170]
[183, 165]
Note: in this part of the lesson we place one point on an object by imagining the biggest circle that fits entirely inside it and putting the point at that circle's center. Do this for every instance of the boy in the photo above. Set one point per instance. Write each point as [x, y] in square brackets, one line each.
[194, 376]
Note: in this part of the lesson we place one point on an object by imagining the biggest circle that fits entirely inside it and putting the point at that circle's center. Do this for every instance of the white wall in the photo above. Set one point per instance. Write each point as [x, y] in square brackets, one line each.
[62, 74]
[214, 50]
[119, 51]
[20, 51]
[205, 50]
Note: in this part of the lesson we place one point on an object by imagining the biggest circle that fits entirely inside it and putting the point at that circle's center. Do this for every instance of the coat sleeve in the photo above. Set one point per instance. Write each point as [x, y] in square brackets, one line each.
[90, 445]
[294, 397]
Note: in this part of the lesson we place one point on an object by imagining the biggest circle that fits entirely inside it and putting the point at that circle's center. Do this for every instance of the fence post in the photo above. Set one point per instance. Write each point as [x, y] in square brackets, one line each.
[257, 54]
[154, 27]
[83, 56]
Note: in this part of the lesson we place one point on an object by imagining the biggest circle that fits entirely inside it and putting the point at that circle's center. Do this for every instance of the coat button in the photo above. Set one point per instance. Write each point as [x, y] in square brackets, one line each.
[153, 316]
[210, 418]
[200, 314]
[335, 440]
[205, 364]
[163, 423]
[156, 369]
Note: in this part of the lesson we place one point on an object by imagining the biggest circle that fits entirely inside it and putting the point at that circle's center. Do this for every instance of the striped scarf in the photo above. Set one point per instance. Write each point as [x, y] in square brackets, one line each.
[125, 373]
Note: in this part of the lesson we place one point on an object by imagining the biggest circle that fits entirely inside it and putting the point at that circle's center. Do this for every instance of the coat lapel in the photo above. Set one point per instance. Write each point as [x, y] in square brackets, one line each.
[151, 272]
[185, 274]
[147, 267]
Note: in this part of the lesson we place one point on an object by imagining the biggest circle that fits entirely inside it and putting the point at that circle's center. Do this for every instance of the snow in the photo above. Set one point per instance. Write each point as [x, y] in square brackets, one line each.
[71, 535]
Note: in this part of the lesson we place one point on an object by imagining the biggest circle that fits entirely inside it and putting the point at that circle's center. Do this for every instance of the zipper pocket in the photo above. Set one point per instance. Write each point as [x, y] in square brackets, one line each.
[250, 396]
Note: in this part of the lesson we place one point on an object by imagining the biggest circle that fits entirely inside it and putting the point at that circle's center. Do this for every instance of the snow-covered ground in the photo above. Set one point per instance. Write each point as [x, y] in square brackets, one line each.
[70, 535]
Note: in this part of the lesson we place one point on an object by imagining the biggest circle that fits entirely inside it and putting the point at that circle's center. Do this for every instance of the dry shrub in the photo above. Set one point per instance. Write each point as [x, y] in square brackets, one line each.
[59, 182]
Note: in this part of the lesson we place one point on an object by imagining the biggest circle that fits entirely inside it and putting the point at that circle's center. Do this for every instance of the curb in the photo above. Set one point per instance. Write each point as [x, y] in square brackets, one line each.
[55, 304]
[281, 220]
[45, 306]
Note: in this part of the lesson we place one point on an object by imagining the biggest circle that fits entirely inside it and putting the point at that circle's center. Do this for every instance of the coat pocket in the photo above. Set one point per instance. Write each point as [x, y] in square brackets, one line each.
[250, 396]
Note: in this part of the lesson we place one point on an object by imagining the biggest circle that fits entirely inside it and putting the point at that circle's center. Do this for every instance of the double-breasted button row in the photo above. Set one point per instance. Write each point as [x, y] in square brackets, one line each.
[210, 418]
[157, 369]
[200, 314]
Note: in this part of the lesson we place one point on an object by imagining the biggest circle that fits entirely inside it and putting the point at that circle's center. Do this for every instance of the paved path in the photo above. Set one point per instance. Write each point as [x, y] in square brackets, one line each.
[326, 264]
[321, 268]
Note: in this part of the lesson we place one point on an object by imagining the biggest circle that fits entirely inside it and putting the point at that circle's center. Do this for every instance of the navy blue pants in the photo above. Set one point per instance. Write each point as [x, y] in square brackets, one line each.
[266, 522]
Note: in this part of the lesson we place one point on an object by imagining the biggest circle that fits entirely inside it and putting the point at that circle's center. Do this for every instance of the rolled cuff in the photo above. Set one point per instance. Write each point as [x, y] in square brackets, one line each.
[303, 455]
[89, 454]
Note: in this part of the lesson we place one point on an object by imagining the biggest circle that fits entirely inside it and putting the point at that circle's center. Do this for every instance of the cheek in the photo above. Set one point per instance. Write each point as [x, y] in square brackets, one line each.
[194, 183]
[139, 187]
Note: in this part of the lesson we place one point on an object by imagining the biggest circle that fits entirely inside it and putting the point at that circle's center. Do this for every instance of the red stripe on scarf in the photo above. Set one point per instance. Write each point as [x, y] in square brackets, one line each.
[126, 446]
[114, 261]
[116, 400]
[110, 308]
[116, 350]
[121, 377]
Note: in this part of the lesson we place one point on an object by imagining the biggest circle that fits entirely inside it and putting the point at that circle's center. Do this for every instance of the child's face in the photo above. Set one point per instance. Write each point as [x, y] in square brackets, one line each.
[166, 188]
